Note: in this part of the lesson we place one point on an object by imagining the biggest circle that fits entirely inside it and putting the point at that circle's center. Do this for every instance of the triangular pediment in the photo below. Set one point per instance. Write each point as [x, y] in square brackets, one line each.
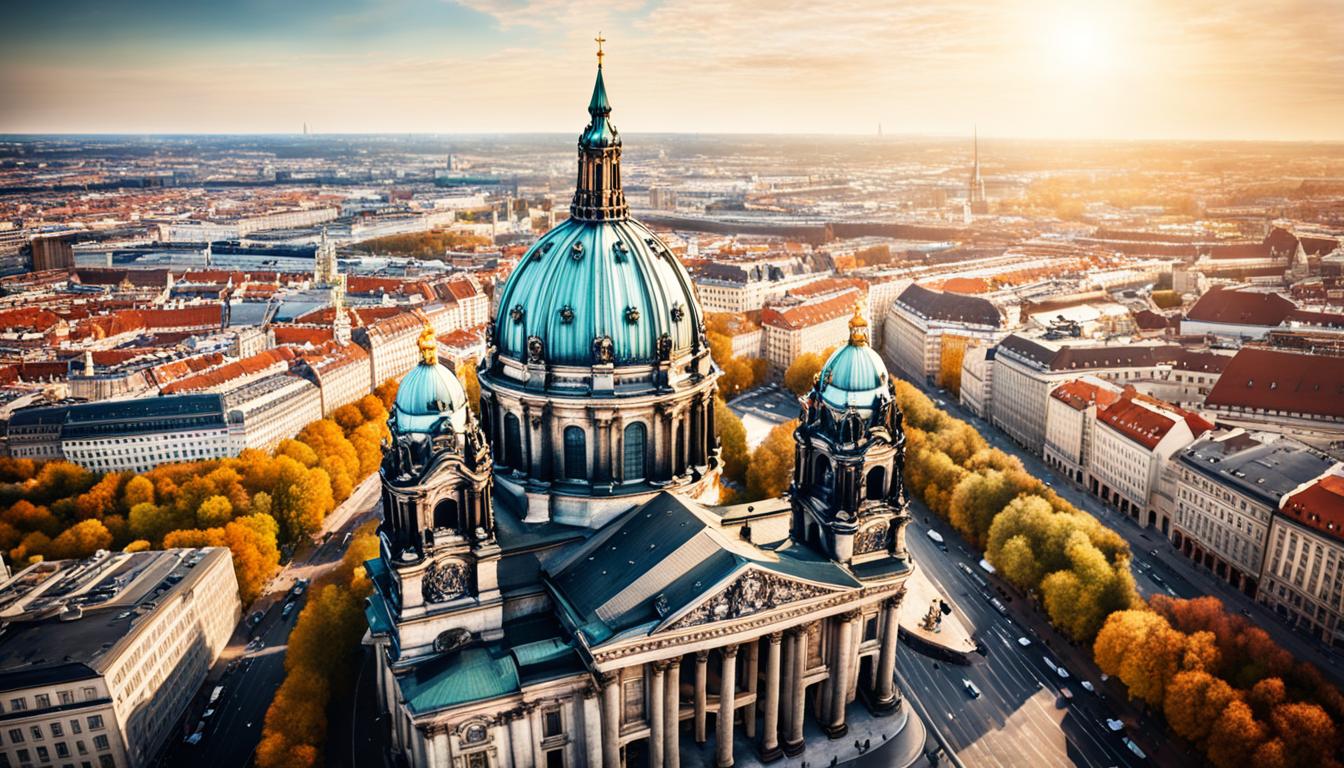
[747, 592]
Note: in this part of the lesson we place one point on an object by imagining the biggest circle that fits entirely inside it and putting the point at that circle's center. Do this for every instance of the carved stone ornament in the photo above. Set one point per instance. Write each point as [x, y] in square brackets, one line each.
[445, 580]
[678, 313]
[603, 350]
[535, 350]
[631, 315]
[473, 732]
[576, 251]
[517, 313]
[566, 314]
[620, 251]
[665, 347]
[542, 250]
[872, 538]
[452, 639]
[752, 592]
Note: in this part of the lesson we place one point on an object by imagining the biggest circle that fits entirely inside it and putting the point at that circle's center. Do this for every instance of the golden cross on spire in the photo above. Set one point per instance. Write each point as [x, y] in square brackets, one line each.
[599, 40]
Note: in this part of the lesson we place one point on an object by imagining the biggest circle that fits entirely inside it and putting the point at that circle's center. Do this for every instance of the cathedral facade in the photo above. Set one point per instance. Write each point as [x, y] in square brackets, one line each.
[555, 586]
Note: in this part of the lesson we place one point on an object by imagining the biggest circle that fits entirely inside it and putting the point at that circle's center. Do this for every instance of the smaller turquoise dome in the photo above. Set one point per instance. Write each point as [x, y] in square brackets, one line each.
[855, 375]
[427, 396]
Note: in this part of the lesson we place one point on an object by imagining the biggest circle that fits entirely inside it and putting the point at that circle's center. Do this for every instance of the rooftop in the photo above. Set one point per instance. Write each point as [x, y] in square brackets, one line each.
[1289, 382]
[1241, 308]
[1263, 470]
[950, 307]
[1320, 505]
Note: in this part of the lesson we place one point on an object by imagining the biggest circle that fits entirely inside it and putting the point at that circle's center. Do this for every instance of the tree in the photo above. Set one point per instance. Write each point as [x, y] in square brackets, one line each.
[1195, 700]
[949, 363]
[771, 465]
[804, 368]
[1235, 736]
[80, 540]
[152, 522]
[348, 417]
[214, 512]
[101, 499]
[139, 545]
[387, 393]
[1307, 734]
[733, 437]
[1142, 649]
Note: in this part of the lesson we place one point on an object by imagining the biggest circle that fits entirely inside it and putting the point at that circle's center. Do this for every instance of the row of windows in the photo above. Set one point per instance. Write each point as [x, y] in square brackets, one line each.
[18, 736]
[43, 700]
[43, 756]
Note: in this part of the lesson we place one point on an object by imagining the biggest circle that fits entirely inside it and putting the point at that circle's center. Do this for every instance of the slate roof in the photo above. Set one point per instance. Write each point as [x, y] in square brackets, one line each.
[950, 307]
[673, 548]
[1264, 471]
[1240, 308]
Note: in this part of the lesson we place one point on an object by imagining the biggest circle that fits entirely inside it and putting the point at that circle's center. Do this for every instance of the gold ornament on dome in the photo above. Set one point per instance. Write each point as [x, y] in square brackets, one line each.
[429, 346]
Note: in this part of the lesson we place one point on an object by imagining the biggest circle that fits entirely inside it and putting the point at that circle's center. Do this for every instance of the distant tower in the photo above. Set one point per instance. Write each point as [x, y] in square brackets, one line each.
[88, 363]
[305, 129]
[340, 328]
[975, 194]
[879, 130]
[324, 262]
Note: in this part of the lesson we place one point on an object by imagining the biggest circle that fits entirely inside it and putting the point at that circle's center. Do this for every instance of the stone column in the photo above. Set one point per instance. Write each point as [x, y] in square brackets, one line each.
[723, 737]
[885, 690]
[611, 720]
[793, 744]
[770, 716]
[655, 708]
[592, 728]
[672, 716]
[520, 739]
[701, 680]
[656, 431]
[752, 672]
[841, 674]
[601, 451]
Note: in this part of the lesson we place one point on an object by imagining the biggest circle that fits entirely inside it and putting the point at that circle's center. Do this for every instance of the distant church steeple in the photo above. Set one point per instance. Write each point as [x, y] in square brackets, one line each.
[598, 196]
[975, 194]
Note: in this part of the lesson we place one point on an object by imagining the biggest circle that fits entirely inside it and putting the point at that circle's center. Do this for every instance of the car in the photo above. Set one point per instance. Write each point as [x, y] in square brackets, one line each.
[1062, 672]
[981, 648]
[216, 693]
[255, 619]
[1024, 642]
[994, 601]
[1132, 747]
[1052, 665]
[1114, 726]
[1245, 613]
[966, 569]
[970, 688]
[1153, 552]
[1087, 686]
[207, 713]
[288, 609]
[1066, 693]
[1157, 578]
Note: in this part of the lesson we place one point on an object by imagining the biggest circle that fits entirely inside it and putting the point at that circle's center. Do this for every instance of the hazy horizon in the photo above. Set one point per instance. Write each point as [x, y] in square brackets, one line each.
[1198, 70]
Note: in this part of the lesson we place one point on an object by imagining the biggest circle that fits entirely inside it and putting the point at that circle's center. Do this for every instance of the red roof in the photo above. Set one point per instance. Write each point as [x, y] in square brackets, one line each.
[806, 315]
[1241, 308]
[298, 334]
[1320, 505]
[1078, 394]
[461, 288]
[1272, 380]
[248, 366]
[1146, 420]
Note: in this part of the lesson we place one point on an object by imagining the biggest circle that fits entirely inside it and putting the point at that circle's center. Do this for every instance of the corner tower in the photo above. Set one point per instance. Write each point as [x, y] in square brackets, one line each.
[847, 493]
[438, 531]
[597, 389]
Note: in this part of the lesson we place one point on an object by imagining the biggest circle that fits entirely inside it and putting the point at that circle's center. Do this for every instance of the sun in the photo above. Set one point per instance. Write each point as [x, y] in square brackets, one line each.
[1080, 44]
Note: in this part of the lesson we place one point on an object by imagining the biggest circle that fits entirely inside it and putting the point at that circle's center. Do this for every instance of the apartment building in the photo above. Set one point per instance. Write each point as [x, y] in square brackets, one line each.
[1229, 486]
[1303, 578]
[1134, 437]
[341, 372]
[1282, 391]
[810, 327]
[1236, 314]
[746, 286]
[1070, 415]
[100, 657]
[138, 435]
[272, 409]
[977, 380]
[919, 320]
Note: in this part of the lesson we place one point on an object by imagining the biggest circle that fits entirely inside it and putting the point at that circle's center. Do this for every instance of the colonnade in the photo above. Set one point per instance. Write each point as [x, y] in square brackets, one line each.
[773, 685]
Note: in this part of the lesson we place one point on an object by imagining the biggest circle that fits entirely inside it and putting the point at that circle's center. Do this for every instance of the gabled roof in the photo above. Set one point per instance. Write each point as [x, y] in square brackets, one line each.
[1272, 380]
[1079, 394]
[1146, 420]
[654, 564]
[813, 313]
[1241, 308]
[1319, 505]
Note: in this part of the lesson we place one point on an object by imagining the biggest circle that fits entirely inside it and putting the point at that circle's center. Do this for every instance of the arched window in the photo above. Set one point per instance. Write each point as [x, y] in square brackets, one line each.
[445, 514]
[513, 442]
[576, 454]
[822, 475]
[877, 482]
[633, 466]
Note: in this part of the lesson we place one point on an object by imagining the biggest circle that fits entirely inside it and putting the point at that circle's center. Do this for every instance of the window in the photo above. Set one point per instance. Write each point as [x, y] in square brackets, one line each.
[633, 467]
[90, 694]
[552, 724]
[107, 761]
[555, 758]
[18, 705]
[43, 755]
[513, 442]
[15, 735]
[43, 701]
[36, 730]
[57, 731]
[95, 722]
[23, 756]
[100, 742]
[74, 727]
[576, 454]
[62, 749]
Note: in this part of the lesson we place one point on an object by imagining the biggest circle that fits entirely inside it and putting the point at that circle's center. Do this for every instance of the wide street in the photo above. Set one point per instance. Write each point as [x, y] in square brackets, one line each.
[1154, 556]
[1021, 717]
[251, 675]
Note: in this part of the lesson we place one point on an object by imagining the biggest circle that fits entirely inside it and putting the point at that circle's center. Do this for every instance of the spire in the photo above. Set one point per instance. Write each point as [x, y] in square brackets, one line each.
[598, 196]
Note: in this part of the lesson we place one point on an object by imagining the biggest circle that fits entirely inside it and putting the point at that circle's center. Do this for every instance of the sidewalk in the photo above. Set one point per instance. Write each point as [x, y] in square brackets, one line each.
[952, 635]
[896, 741]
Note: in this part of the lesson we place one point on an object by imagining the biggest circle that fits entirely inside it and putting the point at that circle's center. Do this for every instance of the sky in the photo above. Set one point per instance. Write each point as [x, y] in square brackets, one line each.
[1121, 69]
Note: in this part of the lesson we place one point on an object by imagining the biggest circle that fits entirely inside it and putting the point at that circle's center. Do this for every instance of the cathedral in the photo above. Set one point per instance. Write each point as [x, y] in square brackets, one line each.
[556, 585]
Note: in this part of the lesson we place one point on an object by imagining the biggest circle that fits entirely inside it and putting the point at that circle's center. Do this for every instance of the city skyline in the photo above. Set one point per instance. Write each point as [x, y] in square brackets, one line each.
[1202, 70]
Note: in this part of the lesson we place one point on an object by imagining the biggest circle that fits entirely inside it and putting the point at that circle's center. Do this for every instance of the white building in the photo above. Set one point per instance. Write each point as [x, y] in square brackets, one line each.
[920, 319]
[100, 657]
[273, 409]
[1236, 314]
[1133, 439]
[138, 435]
[1070, 415]
[977, 380]
[746, 286]
[812, 327]
[1229, 486]
[1305, 556]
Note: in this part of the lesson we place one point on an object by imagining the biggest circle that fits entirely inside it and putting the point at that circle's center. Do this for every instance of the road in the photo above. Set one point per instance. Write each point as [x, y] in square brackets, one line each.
[1154, 554]
[249, 676]
[1021, 717]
